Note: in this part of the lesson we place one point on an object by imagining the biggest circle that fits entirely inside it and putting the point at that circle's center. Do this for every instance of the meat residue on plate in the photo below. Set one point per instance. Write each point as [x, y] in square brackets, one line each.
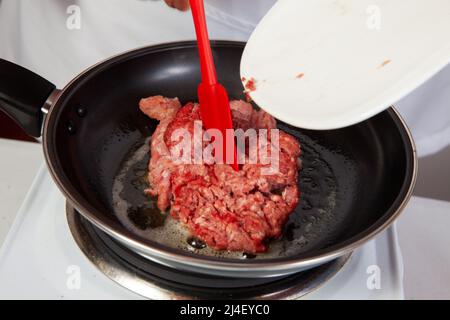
[385, 62]
[250, 86]
[228, 210]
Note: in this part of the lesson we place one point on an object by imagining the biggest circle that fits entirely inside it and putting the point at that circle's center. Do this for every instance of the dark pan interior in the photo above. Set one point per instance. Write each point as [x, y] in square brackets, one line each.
[366, 169]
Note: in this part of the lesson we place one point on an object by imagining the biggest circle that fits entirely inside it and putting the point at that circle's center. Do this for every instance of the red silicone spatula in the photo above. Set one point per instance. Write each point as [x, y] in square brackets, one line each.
[213, 98]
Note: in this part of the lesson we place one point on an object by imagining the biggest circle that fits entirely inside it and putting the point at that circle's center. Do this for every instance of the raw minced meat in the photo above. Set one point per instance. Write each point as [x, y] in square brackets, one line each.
[227, 209]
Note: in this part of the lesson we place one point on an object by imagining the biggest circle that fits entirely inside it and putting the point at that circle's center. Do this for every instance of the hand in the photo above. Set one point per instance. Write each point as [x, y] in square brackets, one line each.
[182, 5]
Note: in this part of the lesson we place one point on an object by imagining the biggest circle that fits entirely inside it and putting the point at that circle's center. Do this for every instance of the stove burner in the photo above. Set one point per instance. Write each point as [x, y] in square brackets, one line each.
[155, 281]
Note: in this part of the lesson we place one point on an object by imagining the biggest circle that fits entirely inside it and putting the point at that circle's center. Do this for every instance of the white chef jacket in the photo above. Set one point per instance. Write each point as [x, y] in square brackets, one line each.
[35, 34]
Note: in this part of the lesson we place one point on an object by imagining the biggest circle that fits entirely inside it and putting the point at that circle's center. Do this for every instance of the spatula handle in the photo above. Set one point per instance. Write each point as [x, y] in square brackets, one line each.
[209, 75]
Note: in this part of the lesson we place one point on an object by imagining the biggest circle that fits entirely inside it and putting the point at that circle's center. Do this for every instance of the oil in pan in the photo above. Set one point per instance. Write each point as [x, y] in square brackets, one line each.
[316, 213]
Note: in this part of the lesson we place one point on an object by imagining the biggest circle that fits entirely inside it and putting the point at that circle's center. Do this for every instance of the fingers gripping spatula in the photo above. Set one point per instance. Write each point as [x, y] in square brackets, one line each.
[213, 98]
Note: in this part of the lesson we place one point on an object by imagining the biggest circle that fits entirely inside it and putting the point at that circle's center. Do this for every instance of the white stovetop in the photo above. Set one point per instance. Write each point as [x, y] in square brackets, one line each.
[19, 163]
[422, 230]
[39, 254]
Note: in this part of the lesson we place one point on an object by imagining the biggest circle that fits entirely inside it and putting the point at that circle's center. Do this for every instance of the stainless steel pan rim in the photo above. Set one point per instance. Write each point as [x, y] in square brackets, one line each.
[198, 261]
[148, 288]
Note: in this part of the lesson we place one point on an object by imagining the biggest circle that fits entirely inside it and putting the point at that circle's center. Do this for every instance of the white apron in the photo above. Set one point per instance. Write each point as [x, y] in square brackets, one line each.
[40, 35]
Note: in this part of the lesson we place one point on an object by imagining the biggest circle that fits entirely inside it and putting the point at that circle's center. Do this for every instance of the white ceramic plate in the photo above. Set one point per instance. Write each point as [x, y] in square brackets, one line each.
[325, 64]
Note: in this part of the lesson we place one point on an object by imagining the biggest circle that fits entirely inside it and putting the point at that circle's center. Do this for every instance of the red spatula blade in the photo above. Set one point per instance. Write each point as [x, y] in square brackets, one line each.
[216, 114]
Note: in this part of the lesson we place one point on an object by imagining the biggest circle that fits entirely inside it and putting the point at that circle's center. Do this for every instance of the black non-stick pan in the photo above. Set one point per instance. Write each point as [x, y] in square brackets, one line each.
[355, 181]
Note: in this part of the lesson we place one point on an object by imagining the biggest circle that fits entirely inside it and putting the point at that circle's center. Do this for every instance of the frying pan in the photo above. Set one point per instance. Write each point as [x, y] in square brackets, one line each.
[355, 181]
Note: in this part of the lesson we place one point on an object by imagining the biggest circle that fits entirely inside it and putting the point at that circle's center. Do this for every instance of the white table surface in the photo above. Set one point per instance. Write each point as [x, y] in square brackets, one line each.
[423, 229]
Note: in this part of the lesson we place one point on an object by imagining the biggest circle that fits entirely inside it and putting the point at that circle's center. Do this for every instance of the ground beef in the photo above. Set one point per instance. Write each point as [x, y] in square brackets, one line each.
[229, 210]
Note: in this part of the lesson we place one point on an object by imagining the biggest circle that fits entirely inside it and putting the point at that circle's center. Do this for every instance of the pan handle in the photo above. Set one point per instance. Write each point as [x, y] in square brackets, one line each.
[22, 95]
